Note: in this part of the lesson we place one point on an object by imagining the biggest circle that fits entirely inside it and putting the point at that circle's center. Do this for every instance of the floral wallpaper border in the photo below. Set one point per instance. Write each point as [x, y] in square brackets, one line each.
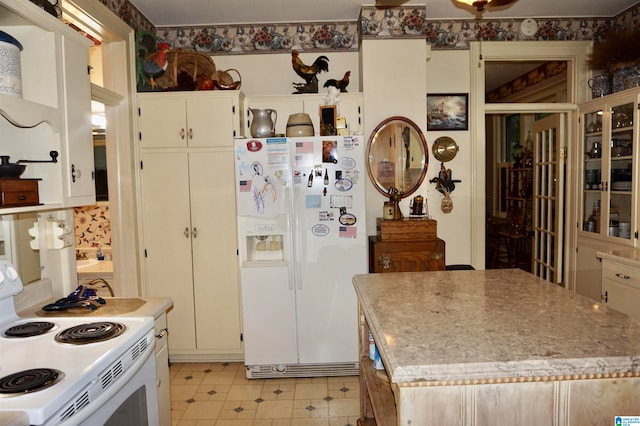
[397, 22]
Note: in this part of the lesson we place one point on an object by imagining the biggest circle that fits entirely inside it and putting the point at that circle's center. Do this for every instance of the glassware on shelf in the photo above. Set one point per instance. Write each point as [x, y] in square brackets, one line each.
[596, 150]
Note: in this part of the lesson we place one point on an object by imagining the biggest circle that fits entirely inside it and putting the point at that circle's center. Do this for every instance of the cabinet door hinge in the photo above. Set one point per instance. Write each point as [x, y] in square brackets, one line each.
[141, 165]
[139, 112]
[237, 252]
[636, 234]
[241, 337]
[234, 133]
[233, 109]
[89, 68]
[145, 252]
[139, 136]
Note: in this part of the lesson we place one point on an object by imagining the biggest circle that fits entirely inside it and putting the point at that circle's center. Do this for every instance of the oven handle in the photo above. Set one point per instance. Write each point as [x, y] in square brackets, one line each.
[162, 333]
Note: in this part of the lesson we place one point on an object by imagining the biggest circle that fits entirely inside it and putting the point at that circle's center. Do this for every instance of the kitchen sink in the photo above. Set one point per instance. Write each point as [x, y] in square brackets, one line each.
[85, 263]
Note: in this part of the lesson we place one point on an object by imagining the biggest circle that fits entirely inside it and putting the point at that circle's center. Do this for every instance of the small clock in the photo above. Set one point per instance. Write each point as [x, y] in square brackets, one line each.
[529, 27]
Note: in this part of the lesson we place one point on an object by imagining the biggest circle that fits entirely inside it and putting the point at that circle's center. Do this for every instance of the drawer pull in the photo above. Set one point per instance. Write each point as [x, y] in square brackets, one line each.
[623, 276]
[162, 333]
[384, 262]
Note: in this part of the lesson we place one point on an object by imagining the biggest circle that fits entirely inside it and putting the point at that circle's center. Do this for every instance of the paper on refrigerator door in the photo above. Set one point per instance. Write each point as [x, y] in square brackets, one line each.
[261, 169]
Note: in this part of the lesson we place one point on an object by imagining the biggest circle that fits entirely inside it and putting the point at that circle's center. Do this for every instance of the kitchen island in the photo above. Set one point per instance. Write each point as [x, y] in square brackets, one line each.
[493, 347]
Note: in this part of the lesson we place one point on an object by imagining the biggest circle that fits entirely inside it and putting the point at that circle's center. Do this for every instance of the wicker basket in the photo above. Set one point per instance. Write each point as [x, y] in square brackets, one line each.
[193, 63]
[224, 80]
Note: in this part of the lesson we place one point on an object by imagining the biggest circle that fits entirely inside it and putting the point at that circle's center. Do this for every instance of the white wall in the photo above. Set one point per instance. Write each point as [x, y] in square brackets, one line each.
[448, 72]
[404, 71]
[272, 74]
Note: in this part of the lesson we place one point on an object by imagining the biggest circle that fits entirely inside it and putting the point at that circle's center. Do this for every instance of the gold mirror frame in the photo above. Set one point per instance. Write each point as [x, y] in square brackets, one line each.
[397, 140]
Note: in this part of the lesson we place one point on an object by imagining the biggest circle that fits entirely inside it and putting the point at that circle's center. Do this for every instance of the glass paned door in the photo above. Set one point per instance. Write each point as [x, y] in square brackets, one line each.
[548, 197]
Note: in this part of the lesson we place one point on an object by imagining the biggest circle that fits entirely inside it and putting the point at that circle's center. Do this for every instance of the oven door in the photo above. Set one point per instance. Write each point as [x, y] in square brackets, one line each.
[133, 404]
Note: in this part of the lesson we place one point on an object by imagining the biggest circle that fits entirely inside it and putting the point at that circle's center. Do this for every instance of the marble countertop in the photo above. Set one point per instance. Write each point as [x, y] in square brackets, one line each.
[503, 324]
[629, 256]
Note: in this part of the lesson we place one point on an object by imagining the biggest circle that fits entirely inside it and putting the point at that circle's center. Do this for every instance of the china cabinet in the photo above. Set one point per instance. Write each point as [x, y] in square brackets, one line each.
[189, 230]
[609, 167]
[607, 216]
[54, 111]
[349, 106]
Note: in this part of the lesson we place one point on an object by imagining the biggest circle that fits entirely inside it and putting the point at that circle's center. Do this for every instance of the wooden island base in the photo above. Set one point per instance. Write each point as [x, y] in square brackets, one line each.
[492, 348]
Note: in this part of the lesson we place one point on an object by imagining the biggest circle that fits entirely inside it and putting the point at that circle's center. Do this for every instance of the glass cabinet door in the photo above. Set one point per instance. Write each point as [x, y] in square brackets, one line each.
[608, 207]
[620, 179]
[592, 179]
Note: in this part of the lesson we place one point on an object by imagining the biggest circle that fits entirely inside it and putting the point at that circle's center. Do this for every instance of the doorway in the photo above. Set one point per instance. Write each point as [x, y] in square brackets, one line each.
[115, 87]
[574, 53]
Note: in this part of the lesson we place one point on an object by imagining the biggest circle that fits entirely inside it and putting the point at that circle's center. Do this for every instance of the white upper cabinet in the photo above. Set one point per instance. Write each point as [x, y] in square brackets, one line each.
[189, 120]
[52, 119]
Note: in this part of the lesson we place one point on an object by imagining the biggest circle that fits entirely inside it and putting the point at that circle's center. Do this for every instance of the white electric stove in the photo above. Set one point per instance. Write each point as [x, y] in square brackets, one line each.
[75, 370]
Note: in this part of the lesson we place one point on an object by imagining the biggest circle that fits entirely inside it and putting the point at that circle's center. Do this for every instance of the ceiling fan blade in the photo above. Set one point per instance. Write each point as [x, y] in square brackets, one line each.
[498, 3]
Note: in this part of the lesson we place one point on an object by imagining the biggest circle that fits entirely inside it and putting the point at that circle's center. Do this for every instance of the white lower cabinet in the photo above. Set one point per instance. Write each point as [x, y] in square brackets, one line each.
[162, 370]
[190, 249]
[621, 287]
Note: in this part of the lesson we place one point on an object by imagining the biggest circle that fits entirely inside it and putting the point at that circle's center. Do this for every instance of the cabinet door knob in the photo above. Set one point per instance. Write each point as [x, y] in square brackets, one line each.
[384, 262]
[623, 276]
[186, 232]
[190, 133]
[195, 232]
[162, 333]
[182, 133]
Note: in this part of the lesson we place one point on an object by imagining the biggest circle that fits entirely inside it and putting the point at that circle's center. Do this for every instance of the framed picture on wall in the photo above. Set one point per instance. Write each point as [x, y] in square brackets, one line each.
[447, 111]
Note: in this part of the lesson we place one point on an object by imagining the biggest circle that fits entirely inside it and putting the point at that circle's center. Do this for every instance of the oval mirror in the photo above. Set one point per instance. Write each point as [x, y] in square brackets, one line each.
[397, 156]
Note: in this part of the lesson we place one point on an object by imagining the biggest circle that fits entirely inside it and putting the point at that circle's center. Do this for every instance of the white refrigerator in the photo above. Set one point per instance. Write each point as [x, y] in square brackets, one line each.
[302, 237]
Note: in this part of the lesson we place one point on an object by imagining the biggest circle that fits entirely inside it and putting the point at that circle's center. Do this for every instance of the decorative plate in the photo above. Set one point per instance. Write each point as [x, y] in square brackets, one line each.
[444, 149]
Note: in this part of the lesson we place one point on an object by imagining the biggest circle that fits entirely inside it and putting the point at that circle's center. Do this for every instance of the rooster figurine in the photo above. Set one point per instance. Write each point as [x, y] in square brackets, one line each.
[308, 73]
[339, 84]
[155, 65]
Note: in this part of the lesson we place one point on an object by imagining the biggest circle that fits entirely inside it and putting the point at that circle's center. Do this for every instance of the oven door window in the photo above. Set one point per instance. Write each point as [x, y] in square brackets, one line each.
[132, 412]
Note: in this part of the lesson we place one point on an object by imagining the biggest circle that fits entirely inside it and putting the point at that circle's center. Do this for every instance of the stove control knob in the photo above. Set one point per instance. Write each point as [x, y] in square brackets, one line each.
[12, 273]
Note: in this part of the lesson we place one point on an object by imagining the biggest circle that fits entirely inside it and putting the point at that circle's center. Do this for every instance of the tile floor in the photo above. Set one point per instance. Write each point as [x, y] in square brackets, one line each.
[219, 394]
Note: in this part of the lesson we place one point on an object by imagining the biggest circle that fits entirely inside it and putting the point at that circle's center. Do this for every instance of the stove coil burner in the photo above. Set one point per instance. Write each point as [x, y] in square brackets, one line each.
[90, 333]
[28, 329]
[29, 381]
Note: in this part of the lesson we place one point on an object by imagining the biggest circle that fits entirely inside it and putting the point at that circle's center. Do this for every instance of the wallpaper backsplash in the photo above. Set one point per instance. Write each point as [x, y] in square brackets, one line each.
[92, 226]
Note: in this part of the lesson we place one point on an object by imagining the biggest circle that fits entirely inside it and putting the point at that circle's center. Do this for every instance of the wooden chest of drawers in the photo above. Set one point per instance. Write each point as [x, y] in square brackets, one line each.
[406, 256]
[19, 192]
[407, 229]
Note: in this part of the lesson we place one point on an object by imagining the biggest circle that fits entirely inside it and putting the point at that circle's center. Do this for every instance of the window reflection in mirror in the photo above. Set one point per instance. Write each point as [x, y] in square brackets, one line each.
[15, 245]
[397, 156]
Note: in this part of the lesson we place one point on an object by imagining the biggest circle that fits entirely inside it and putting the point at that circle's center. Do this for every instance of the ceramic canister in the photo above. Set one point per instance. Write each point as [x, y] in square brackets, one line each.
[600, 85]
[299, 125]
[10, 71]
